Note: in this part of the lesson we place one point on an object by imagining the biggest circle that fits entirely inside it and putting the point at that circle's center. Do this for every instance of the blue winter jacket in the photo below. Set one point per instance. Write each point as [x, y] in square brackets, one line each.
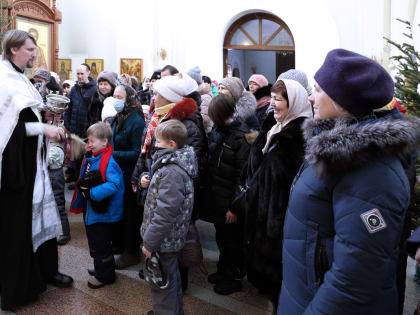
[345, 217]
[76, 118]
[126, 143]
[112, 188]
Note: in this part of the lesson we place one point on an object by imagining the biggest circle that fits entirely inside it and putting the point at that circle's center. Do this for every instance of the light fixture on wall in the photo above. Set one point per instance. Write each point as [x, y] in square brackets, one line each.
[163, 54]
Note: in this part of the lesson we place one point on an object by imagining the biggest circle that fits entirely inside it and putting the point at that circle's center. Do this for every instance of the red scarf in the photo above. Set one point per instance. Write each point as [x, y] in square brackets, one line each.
[154, 121]
[103, 165]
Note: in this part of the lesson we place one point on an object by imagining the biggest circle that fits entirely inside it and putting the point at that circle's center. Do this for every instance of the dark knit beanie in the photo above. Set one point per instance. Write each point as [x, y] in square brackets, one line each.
[109, 76]
[356, 83]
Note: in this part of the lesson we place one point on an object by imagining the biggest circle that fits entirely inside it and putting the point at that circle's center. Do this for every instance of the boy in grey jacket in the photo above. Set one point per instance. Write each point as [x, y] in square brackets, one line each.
[168, 208]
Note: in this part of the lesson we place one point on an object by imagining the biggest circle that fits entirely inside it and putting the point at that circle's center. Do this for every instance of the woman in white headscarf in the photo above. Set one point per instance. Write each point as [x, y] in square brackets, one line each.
[275, 158]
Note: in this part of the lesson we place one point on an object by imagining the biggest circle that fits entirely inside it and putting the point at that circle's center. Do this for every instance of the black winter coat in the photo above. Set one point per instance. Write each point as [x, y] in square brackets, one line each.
[265, 217]
[262, 112]
[145, 96]
[228, 153]
[76, 118]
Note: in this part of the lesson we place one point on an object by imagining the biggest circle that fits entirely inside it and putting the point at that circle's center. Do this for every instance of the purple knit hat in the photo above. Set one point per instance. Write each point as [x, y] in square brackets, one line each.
[355, 82]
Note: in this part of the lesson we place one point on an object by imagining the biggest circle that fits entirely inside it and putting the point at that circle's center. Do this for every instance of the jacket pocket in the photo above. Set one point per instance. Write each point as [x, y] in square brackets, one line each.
[311, 253]
[321, 261]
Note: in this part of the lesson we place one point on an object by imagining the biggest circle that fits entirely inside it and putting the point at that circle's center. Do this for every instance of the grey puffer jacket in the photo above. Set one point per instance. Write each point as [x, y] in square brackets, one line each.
[170, 199]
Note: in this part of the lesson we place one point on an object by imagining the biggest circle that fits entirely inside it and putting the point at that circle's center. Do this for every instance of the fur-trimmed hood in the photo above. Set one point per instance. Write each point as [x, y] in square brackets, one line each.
[183, 109]
[245, 107]
[350, 144]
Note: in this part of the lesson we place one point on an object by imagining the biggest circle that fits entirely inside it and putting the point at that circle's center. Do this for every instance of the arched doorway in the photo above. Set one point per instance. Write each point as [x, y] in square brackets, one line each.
[258, 43]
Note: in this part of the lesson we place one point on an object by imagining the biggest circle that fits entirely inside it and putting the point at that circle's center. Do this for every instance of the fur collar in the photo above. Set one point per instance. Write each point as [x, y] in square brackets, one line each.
[349, 144]
[246, 106]
[264, 91]
[183, 109]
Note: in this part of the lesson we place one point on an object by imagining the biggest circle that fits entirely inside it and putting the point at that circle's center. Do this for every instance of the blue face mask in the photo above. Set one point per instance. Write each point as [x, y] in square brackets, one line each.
[119, 105]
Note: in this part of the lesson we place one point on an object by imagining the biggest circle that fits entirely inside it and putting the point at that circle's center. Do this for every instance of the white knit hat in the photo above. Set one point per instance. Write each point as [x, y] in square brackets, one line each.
[108, 110]
[69, 82]
[171, 87]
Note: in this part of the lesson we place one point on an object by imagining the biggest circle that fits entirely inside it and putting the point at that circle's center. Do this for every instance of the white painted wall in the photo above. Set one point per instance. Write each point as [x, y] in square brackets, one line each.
[192, 32]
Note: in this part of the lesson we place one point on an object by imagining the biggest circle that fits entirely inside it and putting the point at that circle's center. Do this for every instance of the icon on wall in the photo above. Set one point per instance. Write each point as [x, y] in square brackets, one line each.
[132, 67]
[96, 67]
[42, 34]
[64, 69]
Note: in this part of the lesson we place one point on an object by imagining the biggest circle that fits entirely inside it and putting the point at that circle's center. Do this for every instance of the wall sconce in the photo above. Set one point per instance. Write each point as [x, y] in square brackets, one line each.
[163, 54]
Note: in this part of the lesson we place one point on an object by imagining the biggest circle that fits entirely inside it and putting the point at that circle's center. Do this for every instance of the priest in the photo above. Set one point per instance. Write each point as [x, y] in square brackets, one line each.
[29, 219]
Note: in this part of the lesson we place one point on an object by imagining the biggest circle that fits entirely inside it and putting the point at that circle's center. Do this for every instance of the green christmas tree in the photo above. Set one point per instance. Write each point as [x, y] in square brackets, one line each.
[407, 88]
[408, 76]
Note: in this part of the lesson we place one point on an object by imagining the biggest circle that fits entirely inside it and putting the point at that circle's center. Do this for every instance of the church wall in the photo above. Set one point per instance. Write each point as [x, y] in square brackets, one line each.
[192, 32]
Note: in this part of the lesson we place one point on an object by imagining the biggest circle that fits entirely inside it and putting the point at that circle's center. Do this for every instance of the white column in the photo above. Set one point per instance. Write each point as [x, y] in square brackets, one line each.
[387, 32]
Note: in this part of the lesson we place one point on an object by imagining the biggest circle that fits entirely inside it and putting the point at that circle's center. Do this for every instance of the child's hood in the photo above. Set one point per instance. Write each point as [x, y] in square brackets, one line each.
[184, 158]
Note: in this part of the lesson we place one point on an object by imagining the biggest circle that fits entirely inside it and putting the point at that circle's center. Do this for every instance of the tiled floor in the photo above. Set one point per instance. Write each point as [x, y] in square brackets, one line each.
[130, 295]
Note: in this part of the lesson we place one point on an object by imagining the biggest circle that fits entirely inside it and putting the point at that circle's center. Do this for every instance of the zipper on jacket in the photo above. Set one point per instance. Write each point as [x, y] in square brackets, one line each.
[299, 173]
[220, 158]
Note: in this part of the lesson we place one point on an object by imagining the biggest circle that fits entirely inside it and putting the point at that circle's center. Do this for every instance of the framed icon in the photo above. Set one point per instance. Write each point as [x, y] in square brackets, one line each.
[64, 69]
[96, 67]
[133, 67]
[42, 34]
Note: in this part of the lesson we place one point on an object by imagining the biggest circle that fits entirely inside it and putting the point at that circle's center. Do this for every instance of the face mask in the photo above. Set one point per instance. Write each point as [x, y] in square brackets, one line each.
[119, 105]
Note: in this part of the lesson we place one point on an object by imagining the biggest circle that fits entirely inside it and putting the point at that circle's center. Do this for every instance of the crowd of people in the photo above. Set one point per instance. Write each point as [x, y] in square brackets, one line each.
[308, 189]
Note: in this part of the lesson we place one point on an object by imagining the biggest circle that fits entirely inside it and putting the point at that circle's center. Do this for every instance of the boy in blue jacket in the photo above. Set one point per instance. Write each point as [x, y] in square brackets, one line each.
[99, 195]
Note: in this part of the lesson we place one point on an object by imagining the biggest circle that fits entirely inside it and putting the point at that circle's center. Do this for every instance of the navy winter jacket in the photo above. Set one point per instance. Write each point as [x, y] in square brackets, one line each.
[76, 118]
[345, 218]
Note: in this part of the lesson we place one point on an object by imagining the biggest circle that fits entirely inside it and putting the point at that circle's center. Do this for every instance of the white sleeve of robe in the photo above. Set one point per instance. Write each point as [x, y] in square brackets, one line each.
[34, 128]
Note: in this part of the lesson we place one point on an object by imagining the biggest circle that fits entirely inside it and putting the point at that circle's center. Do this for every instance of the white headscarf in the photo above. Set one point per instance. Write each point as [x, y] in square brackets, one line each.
[299, 106]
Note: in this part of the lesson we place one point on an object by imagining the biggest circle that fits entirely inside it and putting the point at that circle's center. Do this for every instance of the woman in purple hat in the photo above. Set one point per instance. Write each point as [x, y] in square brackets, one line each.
[345, 217]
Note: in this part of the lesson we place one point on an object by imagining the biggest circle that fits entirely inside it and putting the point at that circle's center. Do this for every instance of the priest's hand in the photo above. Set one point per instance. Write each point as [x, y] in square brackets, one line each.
[53, 133]
[231, 217]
